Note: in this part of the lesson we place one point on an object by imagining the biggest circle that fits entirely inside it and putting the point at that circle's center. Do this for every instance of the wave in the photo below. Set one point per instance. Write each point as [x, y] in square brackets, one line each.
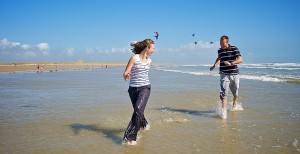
[256, 64]
[195, 65]
[276, 66]
[270, 72]
[273, 64]
[188, 72]
[286, 64]
[262, 78]
[291, 79]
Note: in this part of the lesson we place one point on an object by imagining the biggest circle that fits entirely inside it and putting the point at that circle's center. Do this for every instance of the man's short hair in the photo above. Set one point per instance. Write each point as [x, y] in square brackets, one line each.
[224, 37]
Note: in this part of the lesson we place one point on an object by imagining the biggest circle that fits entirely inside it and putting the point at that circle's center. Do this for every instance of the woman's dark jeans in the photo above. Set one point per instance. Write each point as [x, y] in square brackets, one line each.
[139, 98]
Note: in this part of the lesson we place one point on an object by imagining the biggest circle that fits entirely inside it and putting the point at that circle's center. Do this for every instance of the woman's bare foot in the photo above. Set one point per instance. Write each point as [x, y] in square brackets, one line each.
[131, 143]
[147, 127]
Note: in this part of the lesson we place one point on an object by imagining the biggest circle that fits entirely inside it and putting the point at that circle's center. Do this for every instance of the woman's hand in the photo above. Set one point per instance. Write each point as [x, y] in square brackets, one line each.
[126, 76]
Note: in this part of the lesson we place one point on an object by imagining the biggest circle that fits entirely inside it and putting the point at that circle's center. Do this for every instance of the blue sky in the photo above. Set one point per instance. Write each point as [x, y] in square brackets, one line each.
[98, 30]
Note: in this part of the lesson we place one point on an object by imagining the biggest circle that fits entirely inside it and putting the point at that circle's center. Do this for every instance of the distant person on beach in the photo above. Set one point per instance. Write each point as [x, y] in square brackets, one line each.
[228, 58]
[38, 68]
[139, 87]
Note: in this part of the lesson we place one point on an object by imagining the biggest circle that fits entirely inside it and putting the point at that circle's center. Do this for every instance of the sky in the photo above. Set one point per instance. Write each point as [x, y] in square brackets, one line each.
[102, 30]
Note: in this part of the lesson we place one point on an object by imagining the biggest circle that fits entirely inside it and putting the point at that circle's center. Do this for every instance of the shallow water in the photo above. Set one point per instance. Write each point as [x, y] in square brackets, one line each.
[87, 111]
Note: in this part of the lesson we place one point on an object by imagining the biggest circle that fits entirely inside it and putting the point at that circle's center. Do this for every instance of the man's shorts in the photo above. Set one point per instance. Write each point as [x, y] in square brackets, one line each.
[229, 81]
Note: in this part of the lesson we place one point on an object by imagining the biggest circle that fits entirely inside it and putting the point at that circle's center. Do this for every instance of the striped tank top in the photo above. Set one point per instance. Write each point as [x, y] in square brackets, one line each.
[139, 73]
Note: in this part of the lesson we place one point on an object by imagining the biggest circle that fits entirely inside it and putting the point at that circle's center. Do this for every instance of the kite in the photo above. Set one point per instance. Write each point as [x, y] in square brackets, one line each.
[156, 35]
[194, 36]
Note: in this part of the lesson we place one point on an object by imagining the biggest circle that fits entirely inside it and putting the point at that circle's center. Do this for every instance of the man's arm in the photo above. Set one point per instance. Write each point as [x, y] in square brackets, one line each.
[238, 60]
[217, 62]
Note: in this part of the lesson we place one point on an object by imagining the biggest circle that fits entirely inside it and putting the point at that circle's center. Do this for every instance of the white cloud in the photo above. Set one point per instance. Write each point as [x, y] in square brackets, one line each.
[43, 46]
[16, 51]
[120, 50]
[107, 51]
[26, 46]
[15, 44]
[29, 54]
[70, 51]
[89, 50]
[45, 52]
[192, 47]
[4, 43]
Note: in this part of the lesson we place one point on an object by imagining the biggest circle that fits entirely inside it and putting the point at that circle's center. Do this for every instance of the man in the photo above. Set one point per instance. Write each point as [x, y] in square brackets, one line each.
[228, 58]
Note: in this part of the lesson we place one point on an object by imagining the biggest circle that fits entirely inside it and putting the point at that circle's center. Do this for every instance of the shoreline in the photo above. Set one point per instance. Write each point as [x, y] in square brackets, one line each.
[55, 66]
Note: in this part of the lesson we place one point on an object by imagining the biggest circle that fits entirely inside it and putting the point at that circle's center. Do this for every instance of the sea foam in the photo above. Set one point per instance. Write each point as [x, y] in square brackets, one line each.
[248, 77]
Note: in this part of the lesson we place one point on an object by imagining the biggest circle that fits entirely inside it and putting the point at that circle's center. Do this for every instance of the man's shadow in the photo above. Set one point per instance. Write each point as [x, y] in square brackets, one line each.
[109, 133]
[207, 113]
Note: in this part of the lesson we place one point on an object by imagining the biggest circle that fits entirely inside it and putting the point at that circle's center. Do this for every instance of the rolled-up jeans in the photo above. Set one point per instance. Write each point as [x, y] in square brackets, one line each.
[139, 98]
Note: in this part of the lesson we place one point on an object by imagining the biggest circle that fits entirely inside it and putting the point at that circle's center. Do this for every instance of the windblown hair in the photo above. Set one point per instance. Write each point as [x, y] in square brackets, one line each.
[225, 37]
[138, 47]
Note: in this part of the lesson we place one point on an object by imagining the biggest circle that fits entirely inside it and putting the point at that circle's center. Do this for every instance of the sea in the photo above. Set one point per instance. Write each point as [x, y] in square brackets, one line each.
[87, 111]
[269, 72]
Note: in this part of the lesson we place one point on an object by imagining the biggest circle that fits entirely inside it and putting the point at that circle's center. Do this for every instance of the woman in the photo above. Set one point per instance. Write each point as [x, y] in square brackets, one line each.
[139, 87]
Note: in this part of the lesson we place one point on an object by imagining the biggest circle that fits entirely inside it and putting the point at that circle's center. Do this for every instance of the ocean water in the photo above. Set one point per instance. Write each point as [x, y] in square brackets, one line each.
[271, 72]
[87, 111]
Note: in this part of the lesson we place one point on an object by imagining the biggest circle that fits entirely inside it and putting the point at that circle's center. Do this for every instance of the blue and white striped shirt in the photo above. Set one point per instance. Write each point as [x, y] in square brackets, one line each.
[229, 55]
[139, 73]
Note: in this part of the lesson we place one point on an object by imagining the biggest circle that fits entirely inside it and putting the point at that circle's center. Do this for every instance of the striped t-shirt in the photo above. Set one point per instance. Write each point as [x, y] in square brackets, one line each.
[139, 73]
[229, 54]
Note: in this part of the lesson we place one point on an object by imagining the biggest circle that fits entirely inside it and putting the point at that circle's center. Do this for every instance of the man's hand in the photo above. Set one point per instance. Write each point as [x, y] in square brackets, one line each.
[227, 63]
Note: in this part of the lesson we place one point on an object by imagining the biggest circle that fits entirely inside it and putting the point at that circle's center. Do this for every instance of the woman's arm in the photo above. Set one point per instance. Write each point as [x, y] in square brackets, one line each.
[129, 66]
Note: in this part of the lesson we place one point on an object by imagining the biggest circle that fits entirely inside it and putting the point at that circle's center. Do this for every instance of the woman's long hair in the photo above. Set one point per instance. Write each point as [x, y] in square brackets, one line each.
[138, 47]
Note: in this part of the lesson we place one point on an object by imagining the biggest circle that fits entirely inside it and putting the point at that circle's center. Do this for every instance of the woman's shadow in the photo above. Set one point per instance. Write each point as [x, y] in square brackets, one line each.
[109, 133]
[207, 113]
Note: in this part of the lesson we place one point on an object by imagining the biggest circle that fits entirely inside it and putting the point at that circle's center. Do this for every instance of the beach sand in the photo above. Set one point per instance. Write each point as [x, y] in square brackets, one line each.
[55, 66]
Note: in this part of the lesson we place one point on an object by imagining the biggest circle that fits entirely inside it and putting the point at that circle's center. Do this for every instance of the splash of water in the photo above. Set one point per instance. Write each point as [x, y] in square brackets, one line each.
[238, 107]
[295, 143]
[220, 111]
